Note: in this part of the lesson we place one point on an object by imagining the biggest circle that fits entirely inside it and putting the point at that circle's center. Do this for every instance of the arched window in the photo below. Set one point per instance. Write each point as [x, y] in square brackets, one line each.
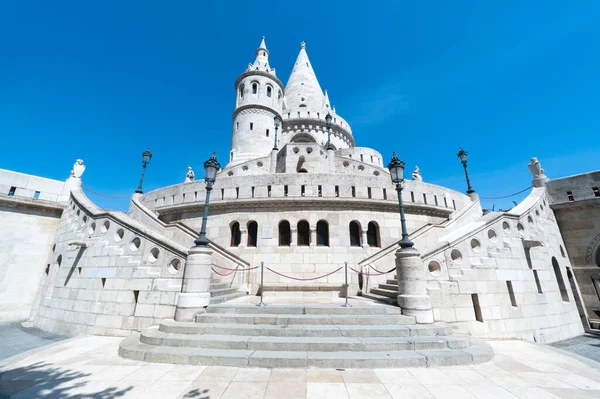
[373, 235]
[254, 88]
[242, 91]
[303, 233]
[322, 233]
[252, 233]
[269, 90]
[236, 234]
[354, 234]
[560, 280]
[279, 94]
[598, 257]
[285, 234]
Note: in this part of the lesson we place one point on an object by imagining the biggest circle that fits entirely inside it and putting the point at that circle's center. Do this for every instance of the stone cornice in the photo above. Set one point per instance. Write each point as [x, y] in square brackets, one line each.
[576, 205]
[288, 124]
[252, 106]
[260, 73]
[312, 203]
[17, 202]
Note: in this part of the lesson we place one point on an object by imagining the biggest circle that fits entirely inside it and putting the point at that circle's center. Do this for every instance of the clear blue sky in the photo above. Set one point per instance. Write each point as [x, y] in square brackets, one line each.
[104, 80]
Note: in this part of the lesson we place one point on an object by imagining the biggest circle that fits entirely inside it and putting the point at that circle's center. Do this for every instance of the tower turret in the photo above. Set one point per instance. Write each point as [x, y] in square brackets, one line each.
[259, 97]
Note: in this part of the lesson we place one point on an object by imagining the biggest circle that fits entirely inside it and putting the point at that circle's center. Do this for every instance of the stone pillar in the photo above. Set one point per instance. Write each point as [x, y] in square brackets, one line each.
[293, 236]
[313, 236]
[413, 298]
[243, 237]
[273, 161]
[364, 240]
[195, 295]
[331, 159]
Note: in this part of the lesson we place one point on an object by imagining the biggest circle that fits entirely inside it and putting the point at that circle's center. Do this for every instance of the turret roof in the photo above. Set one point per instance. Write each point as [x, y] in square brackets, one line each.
[303, 88]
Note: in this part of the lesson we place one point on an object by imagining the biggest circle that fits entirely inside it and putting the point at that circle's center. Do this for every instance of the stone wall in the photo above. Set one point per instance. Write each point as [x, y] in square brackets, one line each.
[29, 216]
[109, 274]
[496, 277]
[575, 201]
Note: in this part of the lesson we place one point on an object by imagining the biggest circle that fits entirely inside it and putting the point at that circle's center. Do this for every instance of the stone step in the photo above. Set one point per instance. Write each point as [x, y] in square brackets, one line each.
[305, 330]
[380, 298]
[293, 344]
[219, 286]
[132, 348]
[224, 298]
[300, 319]
[392, 282]
[384, 292]
[389, 287]
[223, 291]
[376, 309]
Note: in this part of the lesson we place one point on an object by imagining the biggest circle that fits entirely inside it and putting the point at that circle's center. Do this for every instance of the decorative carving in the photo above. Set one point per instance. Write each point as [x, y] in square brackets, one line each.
[78, 169]
[539, 178]
[189, 177]
[416, 174]
[591, 250]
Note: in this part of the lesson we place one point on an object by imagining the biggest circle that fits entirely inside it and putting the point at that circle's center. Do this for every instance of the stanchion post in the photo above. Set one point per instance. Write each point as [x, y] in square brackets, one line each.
[262, 290]
[346, 305]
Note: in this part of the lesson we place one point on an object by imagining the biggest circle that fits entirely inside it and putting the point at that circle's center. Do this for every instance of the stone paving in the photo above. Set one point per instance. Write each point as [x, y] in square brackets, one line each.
[88, 367]
[587, 345]
[17, 339]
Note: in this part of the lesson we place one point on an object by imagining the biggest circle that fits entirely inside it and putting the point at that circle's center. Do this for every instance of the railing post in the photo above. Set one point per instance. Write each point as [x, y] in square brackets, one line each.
[262, 290]
[346, 305]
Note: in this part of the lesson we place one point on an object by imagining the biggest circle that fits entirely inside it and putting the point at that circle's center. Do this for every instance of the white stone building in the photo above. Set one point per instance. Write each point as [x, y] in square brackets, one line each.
[304, 201]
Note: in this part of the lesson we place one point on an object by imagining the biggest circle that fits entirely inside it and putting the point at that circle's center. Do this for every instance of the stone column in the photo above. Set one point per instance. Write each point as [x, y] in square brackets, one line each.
[195, 295]
[331, 159]
[293, 236]
[313, 236]
[243, 237]
[364, 240]
[273, 161]
[413, 298]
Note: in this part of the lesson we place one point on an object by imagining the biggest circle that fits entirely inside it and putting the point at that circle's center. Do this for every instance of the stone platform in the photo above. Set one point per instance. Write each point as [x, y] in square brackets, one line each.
[367, 334]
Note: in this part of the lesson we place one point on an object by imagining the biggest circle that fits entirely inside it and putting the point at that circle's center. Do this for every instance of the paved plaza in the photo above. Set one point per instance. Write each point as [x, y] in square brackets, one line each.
[88, 367]
[17, 339]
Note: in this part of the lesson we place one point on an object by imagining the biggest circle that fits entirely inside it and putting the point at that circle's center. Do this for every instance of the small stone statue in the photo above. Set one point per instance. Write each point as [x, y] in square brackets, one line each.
[189, 177]
[78, 169]
[539, 178]
[416, 174]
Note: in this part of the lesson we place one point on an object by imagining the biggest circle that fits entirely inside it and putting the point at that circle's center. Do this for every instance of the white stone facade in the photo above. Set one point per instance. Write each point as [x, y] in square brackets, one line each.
[305, 210]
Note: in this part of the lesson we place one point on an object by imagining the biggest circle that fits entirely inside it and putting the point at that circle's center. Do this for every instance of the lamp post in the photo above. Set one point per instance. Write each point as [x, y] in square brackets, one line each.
[396, 168]
[211, 167]
[146, 157]
[277, 120]
[462, 155]
[328, 124]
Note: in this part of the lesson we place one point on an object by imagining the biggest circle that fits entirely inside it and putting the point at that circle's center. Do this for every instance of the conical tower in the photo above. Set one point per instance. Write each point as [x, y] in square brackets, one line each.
[259, 97]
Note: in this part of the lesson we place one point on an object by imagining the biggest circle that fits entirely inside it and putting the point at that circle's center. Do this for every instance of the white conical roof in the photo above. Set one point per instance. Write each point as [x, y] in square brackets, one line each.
[262, 59]
[303, 87]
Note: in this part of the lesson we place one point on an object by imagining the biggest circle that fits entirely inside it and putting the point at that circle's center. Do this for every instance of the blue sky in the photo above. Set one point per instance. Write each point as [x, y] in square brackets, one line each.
[102, 81]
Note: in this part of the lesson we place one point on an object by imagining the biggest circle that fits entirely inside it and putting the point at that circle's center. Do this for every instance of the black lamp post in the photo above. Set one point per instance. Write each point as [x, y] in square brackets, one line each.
[146, 157]
[396, 168]
[462, 155]
[211, 167]
[277, 121]
[328, 124]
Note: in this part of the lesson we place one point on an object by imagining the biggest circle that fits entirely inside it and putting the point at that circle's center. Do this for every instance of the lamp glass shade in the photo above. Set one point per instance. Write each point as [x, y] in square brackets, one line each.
[277, 121]
[462, 155]
[328, 119]
[211, 167]
[146, 156]
[396, 168]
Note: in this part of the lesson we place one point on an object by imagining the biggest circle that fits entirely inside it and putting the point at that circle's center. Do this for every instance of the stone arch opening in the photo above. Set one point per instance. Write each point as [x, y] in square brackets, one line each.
[303, 138]
[322, 233]
[285, 234]
[252, 233]
[354, 229]
[373, 235]
[236, 235]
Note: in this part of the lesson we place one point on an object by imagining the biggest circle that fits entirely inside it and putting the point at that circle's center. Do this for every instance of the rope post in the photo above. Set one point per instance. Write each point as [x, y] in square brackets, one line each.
[262, 290]
[346, 305]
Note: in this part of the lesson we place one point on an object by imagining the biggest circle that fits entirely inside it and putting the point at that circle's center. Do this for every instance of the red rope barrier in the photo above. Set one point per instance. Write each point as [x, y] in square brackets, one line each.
[304, 279]
[368, 274]
[237, 268]
[379, 271]
[222, 274]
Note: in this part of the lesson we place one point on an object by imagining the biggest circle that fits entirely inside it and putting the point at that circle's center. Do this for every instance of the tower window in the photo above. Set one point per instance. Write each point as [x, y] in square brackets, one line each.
[285, 234]
[373, 235]
[267, 132]
[254, 88]
[12, 191]
[242, 91]
[236, 234]
[596, 192]
[251, 125]
[252, 234]
[570, 196]
[303, 233]
[354, 234]
[269, 92]
[322, 233]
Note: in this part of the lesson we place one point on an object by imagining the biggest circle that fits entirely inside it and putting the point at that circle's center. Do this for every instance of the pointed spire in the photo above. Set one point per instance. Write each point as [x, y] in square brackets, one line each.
[326, 103]
[262, 59]
[303, 88]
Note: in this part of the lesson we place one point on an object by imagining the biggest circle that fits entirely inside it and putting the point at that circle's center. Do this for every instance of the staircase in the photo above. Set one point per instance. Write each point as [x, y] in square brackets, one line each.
[244, 335]
[386, 293]
[221, 292]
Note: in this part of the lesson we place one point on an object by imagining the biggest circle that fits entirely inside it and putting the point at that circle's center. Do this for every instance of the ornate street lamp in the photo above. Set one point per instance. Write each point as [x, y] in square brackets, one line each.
[396, 168]
[146, 157]
[462, 155]
[211, 167]
[277, 120]
[328, 124]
